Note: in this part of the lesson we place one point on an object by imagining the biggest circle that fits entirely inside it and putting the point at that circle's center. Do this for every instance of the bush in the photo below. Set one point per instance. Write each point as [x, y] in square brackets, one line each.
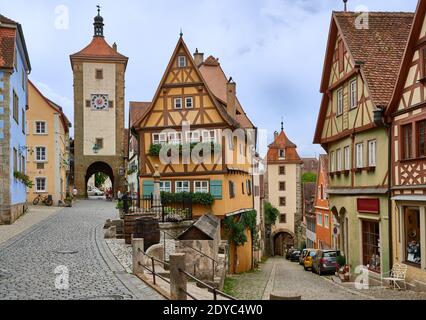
[341, 261]
[205, 199]
[271, 214]
[120, 205]
[309, 177]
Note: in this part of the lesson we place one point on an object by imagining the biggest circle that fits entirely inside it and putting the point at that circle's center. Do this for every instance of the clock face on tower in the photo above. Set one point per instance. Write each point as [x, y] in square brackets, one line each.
[99, 101]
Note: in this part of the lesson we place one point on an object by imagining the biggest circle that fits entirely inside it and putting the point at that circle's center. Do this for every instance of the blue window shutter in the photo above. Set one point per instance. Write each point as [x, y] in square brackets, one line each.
[148, 187]
[216, 189]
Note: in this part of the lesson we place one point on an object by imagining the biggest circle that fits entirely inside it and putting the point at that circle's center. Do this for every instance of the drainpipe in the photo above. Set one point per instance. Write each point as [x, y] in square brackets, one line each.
[379, 120]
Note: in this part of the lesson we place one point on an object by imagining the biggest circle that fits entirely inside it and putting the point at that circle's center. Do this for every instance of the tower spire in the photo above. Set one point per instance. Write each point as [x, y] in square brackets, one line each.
[346, 5]
[99, 24]
[282, 124]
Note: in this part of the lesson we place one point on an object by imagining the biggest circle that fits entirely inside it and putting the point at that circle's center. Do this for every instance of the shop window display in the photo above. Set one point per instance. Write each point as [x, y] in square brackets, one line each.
[412, 235]
[371, 245]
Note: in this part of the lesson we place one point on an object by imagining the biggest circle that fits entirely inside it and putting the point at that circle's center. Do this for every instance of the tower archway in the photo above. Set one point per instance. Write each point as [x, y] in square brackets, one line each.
[99, 167]
[281, 240]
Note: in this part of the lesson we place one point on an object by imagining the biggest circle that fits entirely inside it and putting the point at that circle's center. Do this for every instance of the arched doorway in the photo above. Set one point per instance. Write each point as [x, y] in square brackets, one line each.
[99, 167]
[282, 240]
[340, 230]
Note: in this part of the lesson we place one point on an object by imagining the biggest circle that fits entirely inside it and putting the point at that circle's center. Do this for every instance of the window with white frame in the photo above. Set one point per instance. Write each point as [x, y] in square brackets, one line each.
[347, 157]
[159, 138]
[353, 94]
[182, 186]
[181, 61]
[201, 186]
[165, 186]
[41, 154]
[359, 155]
[340, 101]
[41, 184]
[177, 103]
[326, 221]
[209, 136]
[189, 102]
[372, 153]
[193, 136]
[339, 159]
[175, 137]
[319, 219]
[40, 127]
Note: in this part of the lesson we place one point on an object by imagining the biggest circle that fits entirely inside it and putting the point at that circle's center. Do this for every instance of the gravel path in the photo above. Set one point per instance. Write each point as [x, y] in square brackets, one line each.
[70, 239]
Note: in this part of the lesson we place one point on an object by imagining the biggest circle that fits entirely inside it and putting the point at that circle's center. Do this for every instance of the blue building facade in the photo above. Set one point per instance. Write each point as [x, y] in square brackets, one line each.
[14, 69]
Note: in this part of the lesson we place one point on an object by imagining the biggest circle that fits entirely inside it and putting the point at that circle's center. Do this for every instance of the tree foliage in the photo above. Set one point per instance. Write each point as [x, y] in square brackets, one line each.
[271, 214]
[309, 177]
[100, 179]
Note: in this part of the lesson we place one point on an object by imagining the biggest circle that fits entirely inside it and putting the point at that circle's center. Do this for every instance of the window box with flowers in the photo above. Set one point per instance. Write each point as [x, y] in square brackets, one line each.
[22, 177]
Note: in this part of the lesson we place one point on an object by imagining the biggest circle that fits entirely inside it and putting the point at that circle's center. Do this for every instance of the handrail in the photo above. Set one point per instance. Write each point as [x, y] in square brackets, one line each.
[196, 250]
[155, 259]
[200, 252]
[215, 291]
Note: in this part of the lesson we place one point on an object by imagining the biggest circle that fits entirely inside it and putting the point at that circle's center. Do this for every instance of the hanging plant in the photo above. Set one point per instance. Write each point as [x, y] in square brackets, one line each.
[22, 177]
[236, 228]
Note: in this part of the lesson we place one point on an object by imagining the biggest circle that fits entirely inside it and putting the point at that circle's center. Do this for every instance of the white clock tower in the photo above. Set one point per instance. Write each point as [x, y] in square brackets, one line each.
[99, 72]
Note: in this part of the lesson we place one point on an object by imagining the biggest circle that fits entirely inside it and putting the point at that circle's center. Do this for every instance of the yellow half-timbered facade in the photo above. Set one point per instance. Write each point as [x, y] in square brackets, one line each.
[197, 135]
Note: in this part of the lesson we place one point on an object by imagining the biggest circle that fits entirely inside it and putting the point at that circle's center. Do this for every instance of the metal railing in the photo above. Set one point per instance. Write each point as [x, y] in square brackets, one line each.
[215, 291]
[152, 271]
[214, 262]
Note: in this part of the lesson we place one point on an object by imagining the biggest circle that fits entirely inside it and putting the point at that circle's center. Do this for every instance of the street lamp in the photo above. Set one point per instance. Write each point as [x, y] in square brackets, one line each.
[96, 149]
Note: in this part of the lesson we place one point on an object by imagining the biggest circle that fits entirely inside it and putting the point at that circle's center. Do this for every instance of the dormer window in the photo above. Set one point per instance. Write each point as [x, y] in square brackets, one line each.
[281, 154]
[181, 61]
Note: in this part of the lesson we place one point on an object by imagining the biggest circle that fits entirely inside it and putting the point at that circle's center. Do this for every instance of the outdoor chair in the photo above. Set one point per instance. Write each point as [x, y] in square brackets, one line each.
[397, 276]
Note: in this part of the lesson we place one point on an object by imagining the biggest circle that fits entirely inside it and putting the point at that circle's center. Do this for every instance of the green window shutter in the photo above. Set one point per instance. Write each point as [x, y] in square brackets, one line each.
[148, 187]
[216, 189]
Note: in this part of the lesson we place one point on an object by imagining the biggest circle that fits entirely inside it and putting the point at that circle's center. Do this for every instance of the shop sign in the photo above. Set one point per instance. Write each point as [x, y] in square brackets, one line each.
[368, 206]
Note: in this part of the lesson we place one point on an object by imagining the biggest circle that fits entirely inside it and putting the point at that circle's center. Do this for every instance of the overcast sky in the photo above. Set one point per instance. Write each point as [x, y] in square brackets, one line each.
[274, 49]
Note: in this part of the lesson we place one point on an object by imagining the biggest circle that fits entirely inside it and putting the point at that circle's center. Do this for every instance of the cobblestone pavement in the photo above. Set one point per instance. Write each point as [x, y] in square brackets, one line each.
[35, 215]
[279, 274]
[71, 238]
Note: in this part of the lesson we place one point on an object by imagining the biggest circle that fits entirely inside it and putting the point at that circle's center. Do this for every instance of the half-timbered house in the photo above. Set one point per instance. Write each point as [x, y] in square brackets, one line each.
[199, 136]
[363, 56]
[407, 112]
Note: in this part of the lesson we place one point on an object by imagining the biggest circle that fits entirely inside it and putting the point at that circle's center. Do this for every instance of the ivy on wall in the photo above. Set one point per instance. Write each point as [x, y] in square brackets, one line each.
[236, 228]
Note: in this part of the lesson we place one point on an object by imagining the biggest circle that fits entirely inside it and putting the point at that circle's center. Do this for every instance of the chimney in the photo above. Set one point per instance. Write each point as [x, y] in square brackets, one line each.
[114, 46]
[231, 98]
[198, 58]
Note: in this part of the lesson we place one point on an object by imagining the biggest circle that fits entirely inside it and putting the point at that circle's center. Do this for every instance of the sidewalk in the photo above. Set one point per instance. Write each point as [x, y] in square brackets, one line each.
[35, 215]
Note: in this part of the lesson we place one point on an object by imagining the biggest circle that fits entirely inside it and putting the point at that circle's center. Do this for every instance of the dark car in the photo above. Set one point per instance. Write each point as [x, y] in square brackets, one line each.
[288, 253]
[295, 255]
[325, 261]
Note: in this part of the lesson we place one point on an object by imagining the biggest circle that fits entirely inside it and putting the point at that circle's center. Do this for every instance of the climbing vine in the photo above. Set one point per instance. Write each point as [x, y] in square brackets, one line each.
[235, 228]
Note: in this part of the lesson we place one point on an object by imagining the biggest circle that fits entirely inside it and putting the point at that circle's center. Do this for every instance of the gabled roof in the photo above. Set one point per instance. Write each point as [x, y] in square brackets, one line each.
[99, 49]
[8, 29]
[208, 225]
[217, 81]
[378, 50]
[57, 108]
[408, 56]
[281, 141]
[137, 110]
[222, 111]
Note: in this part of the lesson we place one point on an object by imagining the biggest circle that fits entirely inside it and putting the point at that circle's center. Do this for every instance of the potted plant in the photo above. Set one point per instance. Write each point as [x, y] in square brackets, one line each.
[120, 208]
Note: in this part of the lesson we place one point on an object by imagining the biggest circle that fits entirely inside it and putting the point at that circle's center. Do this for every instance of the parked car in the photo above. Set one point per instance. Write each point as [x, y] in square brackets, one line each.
[309, 258]
[288, 253]
[325, 261]
[303, 255]
[95, 192]
[295, 255]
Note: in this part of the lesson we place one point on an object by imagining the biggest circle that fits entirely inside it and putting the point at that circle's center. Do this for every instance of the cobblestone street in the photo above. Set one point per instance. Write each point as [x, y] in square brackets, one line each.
[279, 274]
[72, 238]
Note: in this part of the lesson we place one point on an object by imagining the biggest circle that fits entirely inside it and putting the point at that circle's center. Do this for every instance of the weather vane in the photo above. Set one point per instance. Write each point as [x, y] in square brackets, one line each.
[99, 9]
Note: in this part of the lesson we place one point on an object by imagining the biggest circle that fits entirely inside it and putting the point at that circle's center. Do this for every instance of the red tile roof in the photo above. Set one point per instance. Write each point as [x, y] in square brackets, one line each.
[99, 49]
[216, 80]
[137, 110]
[380, 48]
[6, 20]
[7, 47]
[282, 142]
